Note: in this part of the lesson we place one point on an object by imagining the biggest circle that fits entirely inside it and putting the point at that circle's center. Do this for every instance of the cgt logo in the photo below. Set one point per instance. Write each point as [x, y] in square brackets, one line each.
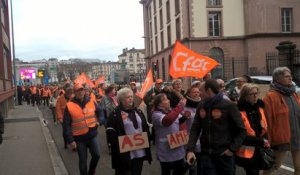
[191, 63]
[187, 63]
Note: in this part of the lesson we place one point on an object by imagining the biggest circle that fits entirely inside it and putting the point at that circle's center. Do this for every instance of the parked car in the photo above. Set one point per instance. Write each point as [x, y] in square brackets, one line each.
[262, 81]
[230, 84]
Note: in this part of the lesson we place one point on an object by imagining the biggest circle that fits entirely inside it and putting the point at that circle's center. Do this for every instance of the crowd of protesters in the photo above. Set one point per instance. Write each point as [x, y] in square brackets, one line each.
[225, 128]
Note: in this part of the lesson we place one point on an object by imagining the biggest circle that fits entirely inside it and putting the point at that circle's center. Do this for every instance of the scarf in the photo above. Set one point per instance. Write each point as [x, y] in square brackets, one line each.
[114, 99]
[193, 103]
[131, 116]
[285, 90]
[208, 103]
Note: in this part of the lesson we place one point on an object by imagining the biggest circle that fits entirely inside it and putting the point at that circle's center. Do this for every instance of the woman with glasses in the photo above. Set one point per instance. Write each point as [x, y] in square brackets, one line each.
[251, 108]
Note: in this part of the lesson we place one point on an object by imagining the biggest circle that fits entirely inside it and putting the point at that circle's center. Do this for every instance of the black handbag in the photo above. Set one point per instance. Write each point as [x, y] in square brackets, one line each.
[267, 158]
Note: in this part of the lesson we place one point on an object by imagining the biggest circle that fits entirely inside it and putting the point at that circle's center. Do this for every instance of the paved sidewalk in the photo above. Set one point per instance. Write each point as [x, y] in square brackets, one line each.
[27, 146]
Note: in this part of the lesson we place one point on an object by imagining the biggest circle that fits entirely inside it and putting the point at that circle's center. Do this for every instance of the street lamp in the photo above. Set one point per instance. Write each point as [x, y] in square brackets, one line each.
[13, 49]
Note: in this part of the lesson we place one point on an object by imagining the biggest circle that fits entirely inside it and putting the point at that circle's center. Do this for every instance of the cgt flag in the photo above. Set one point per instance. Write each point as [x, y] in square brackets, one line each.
[146, 85]
[186, 63]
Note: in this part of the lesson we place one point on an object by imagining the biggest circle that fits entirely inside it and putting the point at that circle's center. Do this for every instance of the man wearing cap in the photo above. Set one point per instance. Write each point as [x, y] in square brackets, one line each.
[148, 99]
[136, 99]
[80, 125]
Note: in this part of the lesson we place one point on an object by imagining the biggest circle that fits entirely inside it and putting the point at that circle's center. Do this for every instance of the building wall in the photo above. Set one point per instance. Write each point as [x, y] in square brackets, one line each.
[233, 23]
[250, 29]
[7, 89]
[265, 16]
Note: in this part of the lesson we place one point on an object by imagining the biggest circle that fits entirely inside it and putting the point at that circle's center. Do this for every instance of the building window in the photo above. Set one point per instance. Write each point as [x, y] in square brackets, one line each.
[154, 6]
[169, 35]
[149, 12]
[156, 44]
[155, 24]
[286, 20]
[160, 3]
[131, 65]
[170, 59]
[168, 11]
[131, 60]
[162, 40]
[2, 15]
[163, 69]
[157, 68]
[217, 54]
[214, 23]
[161, 18]
[213, 2]
[150, 26]
[177, 7]
[178, 31]
[151, 47]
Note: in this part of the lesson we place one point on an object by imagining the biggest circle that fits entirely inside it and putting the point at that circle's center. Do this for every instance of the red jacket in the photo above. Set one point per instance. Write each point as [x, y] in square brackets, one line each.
[277, 114]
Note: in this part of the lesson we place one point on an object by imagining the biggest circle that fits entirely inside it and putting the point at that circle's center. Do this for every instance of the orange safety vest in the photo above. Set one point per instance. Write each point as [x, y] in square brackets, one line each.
[93, 97]
[82, 119]
[248, 151]
[46, 93]
[33, 90]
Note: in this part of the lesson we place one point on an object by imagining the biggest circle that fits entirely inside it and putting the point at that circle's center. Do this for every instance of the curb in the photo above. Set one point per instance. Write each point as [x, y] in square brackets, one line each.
[57, 162]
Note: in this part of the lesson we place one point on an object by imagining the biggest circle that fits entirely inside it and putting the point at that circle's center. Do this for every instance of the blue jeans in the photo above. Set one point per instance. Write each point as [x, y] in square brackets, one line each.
[216, 164]
[82, 147]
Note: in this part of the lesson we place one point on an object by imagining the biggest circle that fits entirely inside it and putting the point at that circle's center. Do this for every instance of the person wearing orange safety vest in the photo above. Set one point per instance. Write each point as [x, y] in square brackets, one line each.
[33, 94]
[80, 123]
[253, 116]
[46, 93]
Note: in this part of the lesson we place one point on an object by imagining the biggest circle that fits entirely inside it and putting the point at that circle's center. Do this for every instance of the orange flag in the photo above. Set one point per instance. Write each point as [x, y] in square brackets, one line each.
[187, 63]
[80, 80]
[87, 80]
[146, 85]
[101, 79]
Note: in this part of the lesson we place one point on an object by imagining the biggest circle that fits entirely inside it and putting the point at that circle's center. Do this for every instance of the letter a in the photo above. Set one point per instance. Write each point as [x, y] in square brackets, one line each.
[126, 141]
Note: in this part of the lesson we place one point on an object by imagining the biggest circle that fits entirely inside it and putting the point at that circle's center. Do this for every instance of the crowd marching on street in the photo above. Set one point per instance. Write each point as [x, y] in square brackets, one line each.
[202, 129]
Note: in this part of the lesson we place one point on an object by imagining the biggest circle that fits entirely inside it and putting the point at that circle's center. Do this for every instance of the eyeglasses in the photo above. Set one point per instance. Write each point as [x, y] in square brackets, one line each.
[254, 94]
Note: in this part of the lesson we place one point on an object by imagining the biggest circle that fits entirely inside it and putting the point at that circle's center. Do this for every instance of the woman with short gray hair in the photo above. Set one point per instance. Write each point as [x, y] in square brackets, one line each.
[122, 94]
[127, 120]
[279, 72]
[282, 108]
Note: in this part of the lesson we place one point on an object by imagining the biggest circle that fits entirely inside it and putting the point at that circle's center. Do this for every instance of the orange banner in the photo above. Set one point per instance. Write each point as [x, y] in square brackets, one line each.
[187, 63]
[146, 85]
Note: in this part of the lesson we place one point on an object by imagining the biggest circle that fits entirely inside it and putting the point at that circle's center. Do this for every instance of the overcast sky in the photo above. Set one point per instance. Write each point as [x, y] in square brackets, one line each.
[76, 28]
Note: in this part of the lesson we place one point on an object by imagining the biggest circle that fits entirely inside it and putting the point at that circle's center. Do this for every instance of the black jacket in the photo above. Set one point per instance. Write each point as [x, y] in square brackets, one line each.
[221, 125]
[115, 128]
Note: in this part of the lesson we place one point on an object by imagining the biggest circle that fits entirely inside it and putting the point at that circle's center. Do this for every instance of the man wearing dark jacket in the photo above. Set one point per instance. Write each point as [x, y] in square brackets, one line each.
[1, 127]
[80, 123]
[222, 131]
